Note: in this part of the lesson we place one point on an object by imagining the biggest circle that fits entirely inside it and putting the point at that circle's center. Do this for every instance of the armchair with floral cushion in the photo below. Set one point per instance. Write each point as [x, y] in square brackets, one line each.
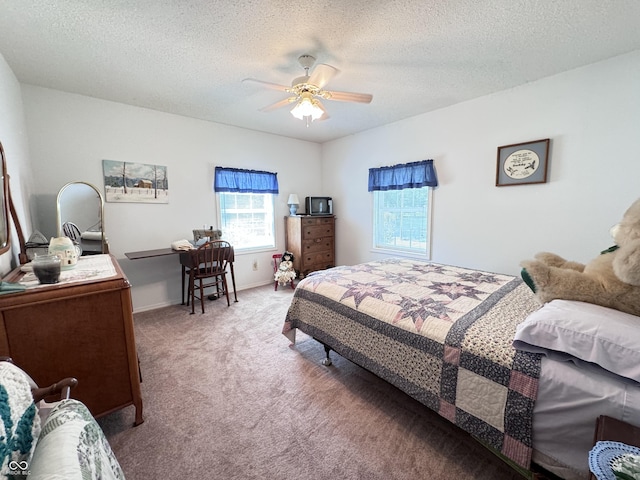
[41, 440]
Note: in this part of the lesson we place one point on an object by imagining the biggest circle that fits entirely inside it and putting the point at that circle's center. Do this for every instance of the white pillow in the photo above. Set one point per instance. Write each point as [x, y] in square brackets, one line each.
[578, 331]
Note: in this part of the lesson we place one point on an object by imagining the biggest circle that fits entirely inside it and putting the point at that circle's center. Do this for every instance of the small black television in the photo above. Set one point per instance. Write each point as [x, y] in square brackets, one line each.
[318, 205]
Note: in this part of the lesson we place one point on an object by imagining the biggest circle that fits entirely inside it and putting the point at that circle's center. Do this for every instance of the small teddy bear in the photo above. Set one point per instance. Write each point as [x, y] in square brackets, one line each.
[612, 279]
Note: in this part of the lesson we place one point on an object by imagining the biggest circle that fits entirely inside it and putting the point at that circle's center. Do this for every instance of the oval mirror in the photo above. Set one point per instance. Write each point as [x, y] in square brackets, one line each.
[80, 216]
[4, 213]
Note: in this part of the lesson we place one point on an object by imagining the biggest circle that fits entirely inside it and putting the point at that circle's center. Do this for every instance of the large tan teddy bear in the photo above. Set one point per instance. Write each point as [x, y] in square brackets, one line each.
[611, 279]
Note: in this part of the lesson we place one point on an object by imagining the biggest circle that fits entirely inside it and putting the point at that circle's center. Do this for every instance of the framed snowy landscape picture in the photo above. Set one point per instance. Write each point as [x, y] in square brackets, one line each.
[135, 182]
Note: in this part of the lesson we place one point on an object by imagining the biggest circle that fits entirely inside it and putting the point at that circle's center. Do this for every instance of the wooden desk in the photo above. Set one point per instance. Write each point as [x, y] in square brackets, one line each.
[160, 252]
[185, 262]
[82, 329]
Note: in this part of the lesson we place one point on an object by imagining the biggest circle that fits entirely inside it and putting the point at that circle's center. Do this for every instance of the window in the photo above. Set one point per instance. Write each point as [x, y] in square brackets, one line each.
[402, 197]
[247, 220]
[401, 220]
[247, 214]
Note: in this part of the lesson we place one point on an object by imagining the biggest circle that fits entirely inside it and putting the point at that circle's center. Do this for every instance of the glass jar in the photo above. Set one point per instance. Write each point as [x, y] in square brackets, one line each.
[47, 268]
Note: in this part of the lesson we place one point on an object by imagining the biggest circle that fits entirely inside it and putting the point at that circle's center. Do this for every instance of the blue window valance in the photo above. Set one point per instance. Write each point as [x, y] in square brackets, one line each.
[406, 175]
[244, 181]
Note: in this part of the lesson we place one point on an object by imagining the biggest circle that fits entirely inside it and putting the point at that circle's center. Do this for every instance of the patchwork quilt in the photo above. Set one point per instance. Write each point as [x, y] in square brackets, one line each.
[440, 333]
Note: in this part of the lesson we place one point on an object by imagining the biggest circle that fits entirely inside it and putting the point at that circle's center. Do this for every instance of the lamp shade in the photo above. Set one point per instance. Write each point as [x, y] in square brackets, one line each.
[307, 106]
[293, 199]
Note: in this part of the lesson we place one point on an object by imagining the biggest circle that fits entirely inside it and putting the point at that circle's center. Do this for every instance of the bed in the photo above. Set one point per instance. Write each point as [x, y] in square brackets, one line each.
[446, 336]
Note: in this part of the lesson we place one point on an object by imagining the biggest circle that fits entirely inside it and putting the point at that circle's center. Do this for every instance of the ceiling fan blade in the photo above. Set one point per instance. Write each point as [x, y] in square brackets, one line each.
[281, 103]
[273, 86]
[322, 74]
[349, 97]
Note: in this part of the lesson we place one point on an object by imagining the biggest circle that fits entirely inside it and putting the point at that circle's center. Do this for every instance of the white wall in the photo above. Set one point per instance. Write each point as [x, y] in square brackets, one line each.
[590, 114]
[14, 140]
[70, 135]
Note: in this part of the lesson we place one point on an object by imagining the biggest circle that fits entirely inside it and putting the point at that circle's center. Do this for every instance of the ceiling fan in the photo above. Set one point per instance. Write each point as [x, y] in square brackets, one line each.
[307, 90]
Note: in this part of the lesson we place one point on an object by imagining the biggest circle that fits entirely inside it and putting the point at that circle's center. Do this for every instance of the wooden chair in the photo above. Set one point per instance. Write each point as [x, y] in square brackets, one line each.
[211, 271]
[61, 388]
[72, 231]
[277, 258]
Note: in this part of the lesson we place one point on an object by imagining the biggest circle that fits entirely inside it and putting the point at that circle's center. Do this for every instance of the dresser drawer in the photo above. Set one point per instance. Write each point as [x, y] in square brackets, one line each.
[316, 267]
[317, 245]
[311, 221]
[317, 231]
[322, 258]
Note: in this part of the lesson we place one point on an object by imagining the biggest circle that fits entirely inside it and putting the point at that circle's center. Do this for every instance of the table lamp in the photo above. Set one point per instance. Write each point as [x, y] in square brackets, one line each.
[293, 203]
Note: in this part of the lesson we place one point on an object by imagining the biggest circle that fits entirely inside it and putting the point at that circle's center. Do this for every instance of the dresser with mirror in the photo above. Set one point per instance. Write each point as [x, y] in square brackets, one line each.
[81, 327]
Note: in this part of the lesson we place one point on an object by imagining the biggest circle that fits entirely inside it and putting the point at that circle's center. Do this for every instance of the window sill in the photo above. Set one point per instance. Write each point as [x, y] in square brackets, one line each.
[404, 254]
[251, 251]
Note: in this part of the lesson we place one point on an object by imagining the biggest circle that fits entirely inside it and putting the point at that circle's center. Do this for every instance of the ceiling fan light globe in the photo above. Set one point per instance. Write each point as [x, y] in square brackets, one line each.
[296, 113]
[316, 112]
[307, 107]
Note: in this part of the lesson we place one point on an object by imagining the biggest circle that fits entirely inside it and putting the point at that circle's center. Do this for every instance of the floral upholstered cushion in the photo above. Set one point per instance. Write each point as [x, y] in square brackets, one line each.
[72, 446]
[19, 421]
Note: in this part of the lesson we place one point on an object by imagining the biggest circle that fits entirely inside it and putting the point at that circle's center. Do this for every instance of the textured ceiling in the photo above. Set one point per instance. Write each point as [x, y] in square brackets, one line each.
[189, 57]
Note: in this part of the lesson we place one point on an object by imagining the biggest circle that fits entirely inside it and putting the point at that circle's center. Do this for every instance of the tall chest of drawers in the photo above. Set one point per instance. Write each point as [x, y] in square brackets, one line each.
[311, 240]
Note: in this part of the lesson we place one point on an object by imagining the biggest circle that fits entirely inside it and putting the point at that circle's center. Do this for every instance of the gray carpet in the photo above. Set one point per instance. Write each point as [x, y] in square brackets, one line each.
[227, 397]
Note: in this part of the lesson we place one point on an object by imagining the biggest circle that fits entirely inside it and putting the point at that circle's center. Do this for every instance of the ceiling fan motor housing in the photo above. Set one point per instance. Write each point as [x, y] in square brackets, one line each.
[306, 61]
